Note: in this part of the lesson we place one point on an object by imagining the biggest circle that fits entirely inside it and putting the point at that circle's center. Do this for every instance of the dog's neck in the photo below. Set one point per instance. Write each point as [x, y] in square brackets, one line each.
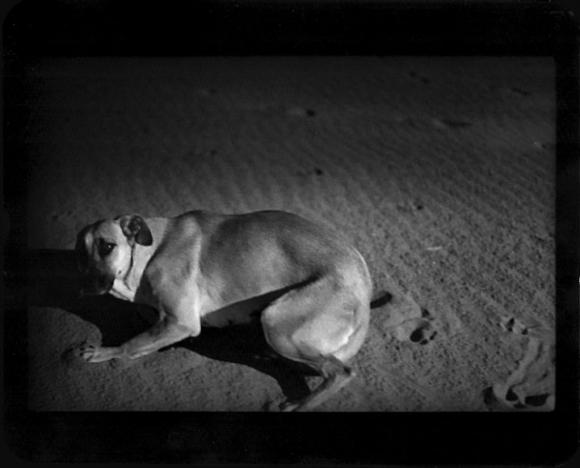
[126, 288]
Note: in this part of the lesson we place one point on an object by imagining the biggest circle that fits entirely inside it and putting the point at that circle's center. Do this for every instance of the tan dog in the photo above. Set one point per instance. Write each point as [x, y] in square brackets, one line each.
[313, 289]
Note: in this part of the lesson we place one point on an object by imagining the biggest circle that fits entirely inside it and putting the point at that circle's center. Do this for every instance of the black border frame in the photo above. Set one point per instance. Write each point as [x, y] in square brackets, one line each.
[53, 28]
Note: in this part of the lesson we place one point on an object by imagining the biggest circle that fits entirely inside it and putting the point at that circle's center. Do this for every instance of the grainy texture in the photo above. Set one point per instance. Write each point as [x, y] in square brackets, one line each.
[440, 170]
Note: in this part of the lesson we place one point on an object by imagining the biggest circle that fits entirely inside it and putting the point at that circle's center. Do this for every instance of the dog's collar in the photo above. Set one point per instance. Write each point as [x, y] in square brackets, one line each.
[126, 277]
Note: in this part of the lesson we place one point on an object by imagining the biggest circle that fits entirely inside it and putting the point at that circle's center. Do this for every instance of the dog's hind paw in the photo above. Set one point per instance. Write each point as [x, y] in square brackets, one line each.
[288, 406]
[278, 406]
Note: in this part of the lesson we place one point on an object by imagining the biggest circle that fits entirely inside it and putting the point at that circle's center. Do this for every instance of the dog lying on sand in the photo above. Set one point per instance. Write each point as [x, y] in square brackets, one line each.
[314, 287]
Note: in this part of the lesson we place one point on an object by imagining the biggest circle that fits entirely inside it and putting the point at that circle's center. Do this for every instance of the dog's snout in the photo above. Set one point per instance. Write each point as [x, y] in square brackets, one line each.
[105, 282]
[95, 283]
[82, 256]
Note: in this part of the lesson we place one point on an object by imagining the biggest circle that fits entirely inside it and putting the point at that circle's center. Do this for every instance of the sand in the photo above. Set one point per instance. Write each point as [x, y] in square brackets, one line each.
[440, 171]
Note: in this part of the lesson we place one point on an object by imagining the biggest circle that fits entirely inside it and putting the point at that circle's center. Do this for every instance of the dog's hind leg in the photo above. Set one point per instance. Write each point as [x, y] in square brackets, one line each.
[336, 375]
[322, 325]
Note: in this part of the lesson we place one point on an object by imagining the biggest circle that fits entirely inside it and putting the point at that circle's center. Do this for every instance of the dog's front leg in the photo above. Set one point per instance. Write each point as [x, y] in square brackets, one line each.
[164, 333]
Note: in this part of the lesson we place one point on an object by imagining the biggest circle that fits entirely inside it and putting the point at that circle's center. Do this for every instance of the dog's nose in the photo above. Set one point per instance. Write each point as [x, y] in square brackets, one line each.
[85, 288]
[96, 284]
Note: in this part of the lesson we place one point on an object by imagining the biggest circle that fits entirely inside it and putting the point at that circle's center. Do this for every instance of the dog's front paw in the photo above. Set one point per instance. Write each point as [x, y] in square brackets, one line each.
[289, 406]
[91, 353]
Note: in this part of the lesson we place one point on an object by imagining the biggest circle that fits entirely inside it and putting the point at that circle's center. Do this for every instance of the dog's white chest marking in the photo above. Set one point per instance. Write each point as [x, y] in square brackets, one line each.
[121, 291]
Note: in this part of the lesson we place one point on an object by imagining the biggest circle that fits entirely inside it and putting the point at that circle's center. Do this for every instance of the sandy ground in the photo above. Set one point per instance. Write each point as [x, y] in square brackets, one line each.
[440, 170]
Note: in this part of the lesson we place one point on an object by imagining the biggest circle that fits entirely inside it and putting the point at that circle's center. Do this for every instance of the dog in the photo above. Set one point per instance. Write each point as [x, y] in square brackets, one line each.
[311, 287]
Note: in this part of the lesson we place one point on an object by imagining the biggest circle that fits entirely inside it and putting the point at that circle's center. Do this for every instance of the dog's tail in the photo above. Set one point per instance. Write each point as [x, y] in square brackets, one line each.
[381, 300]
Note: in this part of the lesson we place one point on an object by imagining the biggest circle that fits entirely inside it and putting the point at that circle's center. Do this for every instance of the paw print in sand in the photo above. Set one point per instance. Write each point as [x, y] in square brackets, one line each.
[420, 331]
[409, 322]
[505, 397]
[531, 385]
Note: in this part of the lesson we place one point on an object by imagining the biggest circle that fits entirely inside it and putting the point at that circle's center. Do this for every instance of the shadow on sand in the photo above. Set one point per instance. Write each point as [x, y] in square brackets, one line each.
[50, 279]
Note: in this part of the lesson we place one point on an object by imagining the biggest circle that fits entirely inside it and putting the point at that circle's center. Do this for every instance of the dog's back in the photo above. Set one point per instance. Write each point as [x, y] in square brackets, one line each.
[247, 255]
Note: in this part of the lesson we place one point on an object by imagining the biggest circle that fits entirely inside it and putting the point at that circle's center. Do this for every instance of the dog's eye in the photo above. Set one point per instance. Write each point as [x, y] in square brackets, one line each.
[105, 248]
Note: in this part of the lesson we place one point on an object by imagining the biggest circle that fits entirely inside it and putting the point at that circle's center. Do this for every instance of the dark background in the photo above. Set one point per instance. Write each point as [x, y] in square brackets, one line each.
[102, 29]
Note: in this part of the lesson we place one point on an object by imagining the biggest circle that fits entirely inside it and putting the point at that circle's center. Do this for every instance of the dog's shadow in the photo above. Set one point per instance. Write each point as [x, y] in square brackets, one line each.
[50, 279]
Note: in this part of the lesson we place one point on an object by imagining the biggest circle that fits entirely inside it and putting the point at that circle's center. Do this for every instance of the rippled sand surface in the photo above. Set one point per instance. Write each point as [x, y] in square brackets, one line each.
[440, 170]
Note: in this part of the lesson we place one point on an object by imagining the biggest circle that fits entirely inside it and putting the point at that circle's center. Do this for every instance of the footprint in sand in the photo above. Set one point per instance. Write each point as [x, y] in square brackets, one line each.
[531, 386]
[520, 91]
[298, 111]
[513, 325]
[545, 145]
[206, 92]
[450, 123]
[59, 216]
[423, 333]
[306, 173]
[420, 330]
[408, 322]
[416, 76]
[410, 206]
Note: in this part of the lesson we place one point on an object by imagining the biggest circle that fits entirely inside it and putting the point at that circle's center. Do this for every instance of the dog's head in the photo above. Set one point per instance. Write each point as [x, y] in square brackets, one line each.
[105, 250]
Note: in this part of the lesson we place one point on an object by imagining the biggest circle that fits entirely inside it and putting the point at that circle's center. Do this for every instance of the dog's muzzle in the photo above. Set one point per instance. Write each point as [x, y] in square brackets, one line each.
[95, 283]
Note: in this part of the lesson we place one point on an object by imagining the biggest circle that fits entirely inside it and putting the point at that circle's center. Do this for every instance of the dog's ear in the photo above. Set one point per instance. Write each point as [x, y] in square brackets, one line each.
[135, 227]
[81, 249]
